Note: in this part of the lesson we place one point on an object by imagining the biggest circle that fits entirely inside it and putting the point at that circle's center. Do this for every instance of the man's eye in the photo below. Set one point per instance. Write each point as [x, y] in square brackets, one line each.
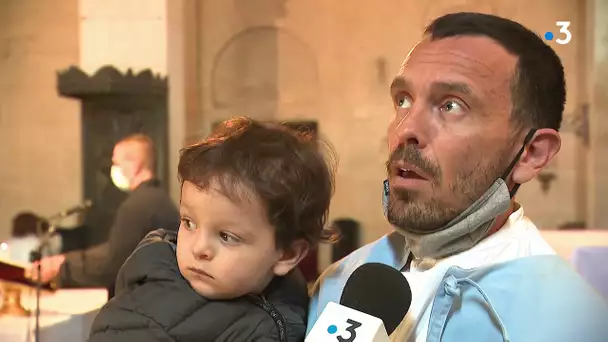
[402, 102]
[451, 107]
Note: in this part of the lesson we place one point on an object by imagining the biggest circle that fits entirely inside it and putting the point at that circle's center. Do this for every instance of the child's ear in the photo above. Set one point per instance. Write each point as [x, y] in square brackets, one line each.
[291, 257]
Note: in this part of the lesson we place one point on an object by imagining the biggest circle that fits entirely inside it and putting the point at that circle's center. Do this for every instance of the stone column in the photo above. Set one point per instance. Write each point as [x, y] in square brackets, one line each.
[183, 52]
[597, 71]
[123, 33]
[120, 82]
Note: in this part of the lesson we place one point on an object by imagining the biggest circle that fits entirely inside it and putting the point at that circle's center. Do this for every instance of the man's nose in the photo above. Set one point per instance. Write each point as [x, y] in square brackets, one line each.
[203, 246]
[411, 127]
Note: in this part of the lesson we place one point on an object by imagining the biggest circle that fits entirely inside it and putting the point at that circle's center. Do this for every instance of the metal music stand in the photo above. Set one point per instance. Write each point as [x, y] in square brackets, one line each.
[36, 256]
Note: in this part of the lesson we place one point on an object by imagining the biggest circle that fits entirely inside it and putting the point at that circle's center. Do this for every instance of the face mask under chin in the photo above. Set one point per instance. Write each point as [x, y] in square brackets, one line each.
[465, 230]
[470, 226]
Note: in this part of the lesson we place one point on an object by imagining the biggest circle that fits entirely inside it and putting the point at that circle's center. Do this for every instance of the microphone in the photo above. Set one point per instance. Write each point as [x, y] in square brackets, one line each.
[72, 210]
[375, 300]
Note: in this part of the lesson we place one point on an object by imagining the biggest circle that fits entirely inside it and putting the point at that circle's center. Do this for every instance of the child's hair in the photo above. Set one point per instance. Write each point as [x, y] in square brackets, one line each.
[283, 168]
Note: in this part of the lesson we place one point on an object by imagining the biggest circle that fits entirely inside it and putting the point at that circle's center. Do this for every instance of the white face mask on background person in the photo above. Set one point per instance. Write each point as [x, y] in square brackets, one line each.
[119, 179]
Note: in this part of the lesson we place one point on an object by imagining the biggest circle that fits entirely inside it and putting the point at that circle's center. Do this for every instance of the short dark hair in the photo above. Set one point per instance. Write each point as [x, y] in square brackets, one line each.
[285, 170]
[538, 88]
[147, 143]
[28, 223]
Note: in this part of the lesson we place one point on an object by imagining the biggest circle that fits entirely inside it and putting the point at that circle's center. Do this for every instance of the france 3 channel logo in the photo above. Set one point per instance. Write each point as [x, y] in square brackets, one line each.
[563, 36]
[351, 333]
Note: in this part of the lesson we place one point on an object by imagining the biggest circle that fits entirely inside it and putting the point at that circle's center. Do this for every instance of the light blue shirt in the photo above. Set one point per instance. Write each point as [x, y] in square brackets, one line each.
[530, 299]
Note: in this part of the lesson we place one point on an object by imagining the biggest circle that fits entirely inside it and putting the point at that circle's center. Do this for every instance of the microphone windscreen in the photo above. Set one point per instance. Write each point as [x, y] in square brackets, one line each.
[378, 290]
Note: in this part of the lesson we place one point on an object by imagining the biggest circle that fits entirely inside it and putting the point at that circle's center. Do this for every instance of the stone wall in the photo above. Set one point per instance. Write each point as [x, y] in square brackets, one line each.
[275, 59]
[40, 162]
[323, 60]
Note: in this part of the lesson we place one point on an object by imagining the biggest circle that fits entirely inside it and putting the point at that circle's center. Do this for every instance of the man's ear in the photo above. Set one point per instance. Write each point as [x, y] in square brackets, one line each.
[540, 151]
[291, 257]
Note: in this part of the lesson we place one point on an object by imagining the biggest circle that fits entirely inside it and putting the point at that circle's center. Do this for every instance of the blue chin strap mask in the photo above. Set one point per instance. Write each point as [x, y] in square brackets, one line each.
[470, 226]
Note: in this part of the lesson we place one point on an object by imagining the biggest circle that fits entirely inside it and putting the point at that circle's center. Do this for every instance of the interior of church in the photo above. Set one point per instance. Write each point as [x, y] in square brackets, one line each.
[77, 76]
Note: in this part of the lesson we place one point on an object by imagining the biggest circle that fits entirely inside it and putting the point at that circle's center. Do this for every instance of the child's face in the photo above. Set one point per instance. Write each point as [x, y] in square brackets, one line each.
[225, 248]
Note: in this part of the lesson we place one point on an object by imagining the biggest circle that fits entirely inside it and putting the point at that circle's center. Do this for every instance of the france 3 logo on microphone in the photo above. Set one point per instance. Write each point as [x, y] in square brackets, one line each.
[561, 35]
[338, 323]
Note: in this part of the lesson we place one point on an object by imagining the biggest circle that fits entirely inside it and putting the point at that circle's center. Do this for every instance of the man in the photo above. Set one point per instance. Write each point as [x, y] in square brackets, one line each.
[478, 105]
[148, 207]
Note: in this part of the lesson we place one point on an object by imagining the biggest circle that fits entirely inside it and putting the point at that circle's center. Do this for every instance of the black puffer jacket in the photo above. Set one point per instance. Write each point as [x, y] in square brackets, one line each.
[154, 302]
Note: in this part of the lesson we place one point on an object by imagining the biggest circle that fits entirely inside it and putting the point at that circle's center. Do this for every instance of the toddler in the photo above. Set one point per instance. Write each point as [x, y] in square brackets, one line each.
[254, 201]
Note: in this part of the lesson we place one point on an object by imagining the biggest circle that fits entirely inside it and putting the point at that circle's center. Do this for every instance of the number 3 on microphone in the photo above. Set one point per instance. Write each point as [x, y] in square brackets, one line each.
[563, 28]
[350, 331]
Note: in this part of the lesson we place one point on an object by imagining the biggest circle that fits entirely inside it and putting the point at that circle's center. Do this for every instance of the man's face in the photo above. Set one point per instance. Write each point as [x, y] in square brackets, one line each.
[451, 136]
[126, 155]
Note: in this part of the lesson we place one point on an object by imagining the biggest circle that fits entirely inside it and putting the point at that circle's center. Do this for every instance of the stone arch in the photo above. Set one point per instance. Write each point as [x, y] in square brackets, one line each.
[261, 69]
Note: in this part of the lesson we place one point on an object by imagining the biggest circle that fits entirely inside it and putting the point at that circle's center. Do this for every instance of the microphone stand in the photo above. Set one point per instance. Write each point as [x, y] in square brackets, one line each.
[36, 256]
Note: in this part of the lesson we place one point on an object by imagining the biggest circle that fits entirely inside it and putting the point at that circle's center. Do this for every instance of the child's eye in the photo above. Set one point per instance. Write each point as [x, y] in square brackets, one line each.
[188, 224]
[229, 238]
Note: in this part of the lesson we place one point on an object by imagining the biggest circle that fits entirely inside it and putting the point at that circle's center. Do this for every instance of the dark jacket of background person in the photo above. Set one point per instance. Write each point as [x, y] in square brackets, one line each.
[148, 207]
[154, 302]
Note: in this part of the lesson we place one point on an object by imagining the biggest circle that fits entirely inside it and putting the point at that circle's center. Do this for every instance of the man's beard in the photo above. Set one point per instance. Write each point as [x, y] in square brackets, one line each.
[407, 211]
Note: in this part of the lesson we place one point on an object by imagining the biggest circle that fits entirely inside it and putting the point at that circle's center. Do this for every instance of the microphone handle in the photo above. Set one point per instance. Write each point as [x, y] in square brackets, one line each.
[71, 211]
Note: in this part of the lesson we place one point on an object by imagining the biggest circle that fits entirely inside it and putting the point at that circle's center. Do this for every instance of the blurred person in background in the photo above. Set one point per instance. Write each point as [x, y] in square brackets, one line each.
[148, 207]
